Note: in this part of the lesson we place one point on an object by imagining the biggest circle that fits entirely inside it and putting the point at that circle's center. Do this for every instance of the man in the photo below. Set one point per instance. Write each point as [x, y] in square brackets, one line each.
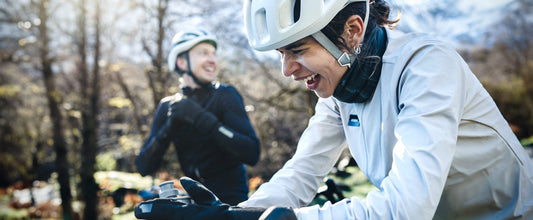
[206, 122]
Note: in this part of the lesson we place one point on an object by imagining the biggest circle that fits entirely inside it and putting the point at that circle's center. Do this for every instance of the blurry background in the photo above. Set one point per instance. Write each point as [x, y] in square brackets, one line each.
[80, 80]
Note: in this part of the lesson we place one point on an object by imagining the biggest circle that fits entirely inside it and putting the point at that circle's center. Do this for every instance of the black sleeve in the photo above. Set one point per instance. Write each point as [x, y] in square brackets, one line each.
[235, 133]
[157, 143]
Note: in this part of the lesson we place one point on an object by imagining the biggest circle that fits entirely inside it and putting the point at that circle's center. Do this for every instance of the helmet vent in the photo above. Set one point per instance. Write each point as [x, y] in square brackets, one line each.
[296, 10]
[261, 25]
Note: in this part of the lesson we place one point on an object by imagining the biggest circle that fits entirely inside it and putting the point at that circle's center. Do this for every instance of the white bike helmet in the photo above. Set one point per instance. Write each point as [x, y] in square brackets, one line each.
[271, 24]
[184, 41]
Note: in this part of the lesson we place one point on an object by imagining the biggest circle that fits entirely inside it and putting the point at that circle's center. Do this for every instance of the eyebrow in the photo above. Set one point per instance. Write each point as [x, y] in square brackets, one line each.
[294, 45]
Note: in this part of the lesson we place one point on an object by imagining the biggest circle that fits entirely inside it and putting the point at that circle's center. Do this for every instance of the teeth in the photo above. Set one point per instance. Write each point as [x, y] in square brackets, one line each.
[310, 77]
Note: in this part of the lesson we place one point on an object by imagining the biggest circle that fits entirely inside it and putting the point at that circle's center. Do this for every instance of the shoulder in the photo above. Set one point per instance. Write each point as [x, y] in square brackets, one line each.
[225, 87]
[170, 98]
[165, 102]
[226, 90]
[402, 44]
[418, 50]
[166, 99]
[330, 104]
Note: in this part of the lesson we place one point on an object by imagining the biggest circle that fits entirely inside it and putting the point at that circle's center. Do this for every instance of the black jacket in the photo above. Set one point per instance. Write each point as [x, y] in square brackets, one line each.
[212, 158]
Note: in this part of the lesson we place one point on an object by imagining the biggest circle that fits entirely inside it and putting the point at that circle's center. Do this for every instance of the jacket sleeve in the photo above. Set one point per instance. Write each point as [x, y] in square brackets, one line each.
[157, 143]
[319, 148]
[235, 132]
[431, 96]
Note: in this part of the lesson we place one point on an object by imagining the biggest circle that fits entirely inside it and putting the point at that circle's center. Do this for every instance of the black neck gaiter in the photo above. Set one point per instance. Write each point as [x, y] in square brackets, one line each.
[359, 82]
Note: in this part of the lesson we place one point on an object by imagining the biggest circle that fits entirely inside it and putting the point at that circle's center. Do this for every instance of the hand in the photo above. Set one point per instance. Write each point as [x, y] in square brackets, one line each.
[188, 111]
[207, 206]
[185, 110]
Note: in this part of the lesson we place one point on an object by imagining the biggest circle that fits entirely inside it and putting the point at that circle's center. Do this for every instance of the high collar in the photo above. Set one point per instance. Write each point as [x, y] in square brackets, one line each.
[357, 85]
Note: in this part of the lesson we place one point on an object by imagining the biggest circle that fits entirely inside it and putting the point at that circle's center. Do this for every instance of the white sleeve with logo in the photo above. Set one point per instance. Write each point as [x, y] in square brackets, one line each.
[317, 152]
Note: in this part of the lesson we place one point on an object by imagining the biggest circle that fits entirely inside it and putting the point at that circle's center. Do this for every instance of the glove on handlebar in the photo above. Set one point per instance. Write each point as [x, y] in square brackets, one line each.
[190, 112]
[207, 206]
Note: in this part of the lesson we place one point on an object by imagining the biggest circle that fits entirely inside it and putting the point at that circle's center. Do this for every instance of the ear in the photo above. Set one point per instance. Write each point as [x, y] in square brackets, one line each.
[353, 30]
[181, 63]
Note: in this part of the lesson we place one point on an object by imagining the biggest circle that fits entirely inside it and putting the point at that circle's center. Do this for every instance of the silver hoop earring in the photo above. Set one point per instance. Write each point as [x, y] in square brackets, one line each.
[357, 50]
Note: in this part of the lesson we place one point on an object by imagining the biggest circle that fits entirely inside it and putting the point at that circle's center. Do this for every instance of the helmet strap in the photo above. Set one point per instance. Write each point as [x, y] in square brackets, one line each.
[343, 58]
[189, 72]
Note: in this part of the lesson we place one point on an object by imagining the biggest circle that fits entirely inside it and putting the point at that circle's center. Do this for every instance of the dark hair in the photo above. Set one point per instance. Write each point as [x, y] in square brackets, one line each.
[379, 16]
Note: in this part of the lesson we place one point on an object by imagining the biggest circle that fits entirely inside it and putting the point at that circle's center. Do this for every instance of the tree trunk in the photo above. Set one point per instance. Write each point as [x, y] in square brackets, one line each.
[90, 97]
[53, 97]
[157, 78]
[132, 98]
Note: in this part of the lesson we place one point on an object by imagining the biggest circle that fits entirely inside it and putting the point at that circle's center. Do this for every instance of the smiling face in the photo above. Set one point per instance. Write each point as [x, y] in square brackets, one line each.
[306, 60]
[203, 62]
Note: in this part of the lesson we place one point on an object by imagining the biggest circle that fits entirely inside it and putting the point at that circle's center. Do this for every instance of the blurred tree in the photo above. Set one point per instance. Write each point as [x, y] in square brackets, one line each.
[54, 97]
[281, 109]
[89, 95]
[278, 107]
[157, 77]
[24, 118]
[14, 150]
[506, 68]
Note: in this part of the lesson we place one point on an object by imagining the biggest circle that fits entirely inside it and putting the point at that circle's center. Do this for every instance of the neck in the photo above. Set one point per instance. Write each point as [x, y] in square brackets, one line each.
[359, 82]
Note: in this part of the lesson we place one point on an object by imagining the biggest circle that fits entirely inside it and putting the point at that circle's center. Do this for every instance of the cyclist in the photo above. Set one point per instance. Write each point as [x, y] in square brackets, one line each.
[206, 122]
[419, 124]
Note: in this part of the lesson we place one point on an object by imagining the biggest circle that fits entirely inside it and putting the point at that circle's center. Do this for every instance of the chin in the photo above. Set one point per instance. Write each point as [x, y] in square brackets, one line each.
[323, 94]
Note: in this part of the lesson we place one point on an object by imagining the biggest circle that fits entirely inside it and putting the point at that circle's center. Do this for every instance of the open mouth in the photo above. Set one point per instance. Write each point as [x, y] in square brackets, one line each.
[312, 81]
[209, 69]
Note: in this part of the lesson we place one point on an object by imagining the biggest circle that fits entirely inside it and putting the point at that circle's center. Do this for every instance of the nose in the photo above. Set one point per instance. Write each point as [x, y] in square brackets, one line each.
[212, 58]
[289, 66]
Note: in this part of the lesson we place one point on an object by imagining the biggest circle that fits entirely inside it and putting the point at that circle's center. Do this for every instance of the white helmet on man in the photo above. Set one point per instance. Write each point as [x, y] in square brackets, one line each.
[276, 23]
[183, 41]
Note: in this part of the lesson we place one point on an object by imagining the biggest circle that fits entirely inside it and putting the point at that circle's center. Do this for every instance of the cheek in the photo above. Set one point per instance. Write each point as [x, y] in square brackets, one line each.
[196, 63]
[317, 65]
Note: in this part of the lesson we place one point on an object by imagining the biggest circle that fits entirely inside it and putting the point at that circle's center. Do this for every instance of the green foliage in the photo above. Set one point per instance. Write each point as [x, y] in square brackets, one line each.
[105, 162]
[119, 102]
[7, 212]
[511, 97]
[359, 186]
[527, 141]
[130, 142]
[7, 91]
[110, 181]
[124, 216]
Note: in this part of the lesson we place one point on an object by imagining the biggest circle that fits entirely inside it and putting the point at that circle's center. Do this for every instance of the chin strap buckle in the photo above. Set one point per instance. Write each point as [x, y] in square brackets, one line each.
[344, 60]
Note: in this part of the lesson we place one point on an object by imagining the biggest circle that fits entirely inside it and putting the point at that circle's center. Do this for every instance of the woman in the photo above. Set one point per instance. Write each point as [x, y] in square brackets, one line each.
[419, 124]
[417, 121]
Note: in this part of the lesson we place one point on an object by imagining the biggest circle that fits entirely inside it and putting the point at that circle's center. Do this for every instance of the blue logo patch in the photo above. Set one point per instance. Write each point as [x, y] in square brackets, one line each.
[354, 121]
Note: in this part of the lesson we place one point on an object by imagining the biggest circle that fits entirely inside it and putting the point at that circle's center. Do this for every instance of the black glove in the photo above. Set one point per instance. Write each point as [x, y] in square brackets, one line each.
[206, 206]
[278, 213]
[188, 111]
